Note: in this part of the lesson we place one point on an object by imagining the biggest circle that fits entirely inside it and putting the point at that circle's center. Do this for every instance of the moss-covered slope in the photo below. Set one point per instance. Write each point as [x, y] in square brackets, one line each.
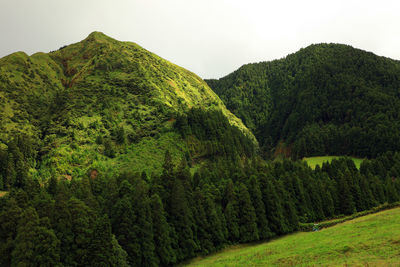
[100, 103]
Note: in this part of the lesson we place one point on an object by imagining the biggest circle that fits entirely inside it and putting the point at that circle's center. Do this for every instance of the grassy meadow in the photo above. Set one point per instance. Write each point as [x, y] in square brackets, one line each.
[372, 240]
[314, 161]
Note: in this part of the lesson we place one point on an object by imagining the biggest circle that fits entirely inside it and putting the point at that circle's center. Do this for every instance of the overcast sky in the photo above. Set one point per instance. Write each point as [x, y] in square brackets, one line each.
[209, 37]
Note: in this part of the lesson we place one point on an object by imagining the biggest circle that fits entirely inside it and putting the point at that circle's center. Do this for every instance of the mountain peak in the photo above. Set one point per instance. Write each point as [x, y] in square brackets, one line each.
[98, 37]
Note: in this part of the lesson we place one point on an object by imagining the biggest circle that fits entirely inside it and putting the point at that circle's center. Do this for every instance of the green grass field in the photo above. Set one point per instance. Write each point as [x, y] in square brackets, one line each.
[314, 161]
[372, 240]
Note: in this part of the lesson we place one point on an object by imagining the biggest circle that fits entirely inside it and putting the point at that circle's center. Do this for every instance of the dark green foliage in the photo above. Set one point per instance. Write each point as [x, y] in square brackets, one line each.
[181, 219]
[347, 205]
[197, 214]
[161, 233]
[264, 231]
[324, 99]
[52, 186]
[122, 217]
[217, 137]
[231, 212]
[9, 219]
[35, 245]
[100, 250]
[248, 219]
[273, 205]
[119, 253]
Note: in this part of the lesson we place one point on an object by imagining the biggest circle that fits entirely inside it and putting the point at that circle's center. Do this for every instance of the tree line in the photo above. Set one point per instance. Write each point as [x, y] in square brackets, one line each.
[138, 220]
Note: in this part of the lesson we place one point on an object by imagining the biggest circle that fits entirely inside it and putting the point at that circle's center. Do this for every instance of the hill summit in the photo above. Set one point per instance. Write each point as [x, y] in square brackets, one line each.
[326, 99]
[102, 104]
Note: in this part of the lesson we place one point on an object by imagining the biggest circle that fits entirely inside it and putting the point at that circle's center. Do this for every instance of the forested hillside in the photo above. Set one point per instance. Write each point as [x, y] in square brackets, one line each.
[325, 99]
[105, 105]
[112, 156]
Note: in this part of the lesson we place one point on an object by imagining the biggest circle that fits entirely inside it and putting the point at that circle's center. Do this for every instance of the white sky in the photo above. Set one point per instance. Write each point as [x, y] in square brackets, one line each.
[209, 37]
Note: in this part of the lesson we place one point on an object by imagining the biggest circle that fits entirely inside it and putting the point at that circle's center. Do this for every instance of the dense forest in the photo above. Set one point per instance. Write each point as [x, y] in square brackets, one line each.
[136, 220]
[326, 99]
[112, 156]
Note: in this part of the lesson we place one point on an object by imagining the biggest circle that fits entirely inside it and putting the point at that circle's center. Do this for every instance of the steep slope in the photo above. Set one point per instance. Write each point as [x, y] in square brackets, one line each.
[324, 99]
[101, 104]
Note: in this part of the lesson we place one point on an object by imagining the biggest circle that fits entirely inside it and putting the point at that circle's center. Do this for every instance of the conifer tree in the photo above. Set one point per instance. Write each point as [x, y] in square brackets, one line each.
[119, 253]
[346, 203]
[391, 193]
[161, 233]
[247, 216]
[273, 207]
[216, 227]
[259, 207]
[9, 219]
[81, 220]
[180, 216]
[35, 245]
[143, 225]
[122, 218]
[203, 231]
[100, 250]
[231, 212]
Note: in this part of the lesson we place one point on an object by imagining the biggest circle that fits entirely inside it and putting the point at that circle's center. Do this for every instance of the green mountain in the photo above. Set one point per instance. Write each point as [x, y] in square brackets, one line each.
[105, 105]
[324, 99]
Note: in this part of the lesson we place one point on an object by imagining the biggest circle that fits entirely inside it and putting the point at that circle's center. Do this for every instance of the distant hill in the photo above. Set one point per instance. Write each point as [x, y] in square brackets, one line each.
[326, 99]
[106, 105]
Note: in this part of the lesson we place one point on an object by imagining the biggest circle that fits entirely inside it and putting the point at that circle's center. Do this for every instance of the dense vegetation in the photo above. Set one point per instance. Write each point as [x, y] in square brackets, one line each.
[112, 156]
[99, 103]
[326, 99]
[355, 243]
[136, 220]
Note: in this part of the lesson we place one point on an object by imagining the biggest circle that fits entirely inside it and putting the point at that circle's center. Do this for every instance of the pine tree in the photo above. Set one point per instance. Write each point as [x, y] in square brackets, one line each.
[216, 228]
[119, 254]
[10, 173]
[203, 234]
[231, 212]
[100, 250]
[81, 220]
[367, 196]
[273, 207]
[143, 225]
[9, 219]
[391, 193]
[181, 218]
[35, 245]
[346, 203]
[259, 207]
[247, 216]
[122, 221]
[161, 233]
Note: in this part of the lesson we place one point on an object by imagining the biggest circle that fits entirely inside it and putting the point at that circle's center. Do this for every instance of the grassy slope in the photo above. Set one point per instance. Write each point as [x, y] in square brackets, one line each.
[372, 240]
[68, 98]
[314, 161]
